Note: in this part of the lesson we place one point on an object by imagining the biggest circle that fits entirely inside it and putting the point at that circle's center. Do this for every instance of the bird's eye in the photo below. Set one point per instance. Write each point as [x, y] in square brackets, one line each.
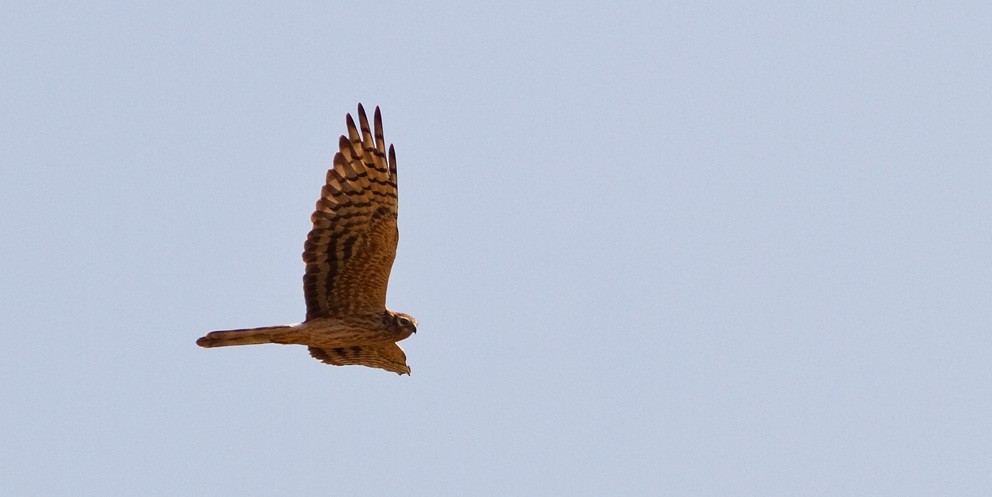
[404, 321]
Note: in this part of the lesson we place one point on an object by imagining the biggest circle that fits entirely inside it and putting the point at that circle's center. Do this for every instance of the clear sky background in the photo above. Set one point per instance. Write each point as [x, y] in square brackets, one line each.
[690, 249]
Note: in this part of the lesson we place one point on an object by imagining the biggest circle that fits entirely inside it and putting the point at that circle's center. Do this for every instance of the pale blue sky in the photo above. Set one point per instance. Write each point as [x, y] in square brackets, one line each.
[683, 249]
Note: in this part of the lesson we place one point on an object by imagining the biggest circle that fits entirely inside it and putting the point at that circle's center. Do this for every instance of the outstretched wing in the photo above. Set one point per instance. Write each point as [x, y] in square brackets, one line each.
[350, 250]
[388, 356]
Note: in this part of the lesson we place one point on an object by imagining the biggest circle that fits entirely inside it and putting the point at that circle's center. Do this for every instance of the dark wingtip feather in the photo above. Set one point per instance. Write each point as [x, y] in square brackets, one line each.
[345, 144]
[392, 162]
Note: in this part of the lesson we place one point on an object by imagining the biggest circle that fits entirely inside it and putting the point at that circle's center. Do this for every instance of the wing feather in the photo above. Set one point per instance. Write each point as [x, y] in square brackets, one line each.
[349, 251]
[388, 356]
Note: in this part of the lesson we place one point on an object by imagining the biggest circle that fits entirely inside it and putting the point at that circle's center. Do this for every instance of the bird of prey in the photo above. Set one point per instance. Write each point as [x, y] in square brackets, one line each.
[348, 255]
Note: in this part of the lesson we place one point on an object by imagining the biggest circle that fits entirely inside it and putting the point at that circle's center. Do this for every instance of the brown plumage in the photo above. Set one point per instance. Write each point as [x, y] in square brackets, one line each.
[348, 255]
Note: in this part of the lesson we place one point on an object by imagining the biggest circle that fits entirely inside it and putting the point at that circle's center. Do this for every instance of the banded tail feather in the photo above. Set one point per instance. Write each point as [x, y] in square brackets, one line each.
[248, 336]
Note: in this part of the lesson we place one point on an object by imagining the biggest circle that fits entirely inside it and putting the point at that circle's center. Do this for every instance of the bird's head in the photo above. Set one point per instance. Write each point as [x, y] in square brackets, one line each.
[401, 323]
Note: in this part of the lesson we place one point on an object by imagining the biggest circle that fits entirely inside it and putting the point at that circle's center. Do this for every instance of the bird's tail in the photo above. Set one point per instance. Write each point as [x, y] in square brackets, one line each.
[249, 336]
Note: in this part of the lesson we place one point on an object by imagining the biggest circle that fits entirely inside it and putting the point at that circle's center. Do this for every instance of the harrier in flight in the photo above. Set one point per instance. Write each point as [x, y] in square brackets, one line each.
[348, 253]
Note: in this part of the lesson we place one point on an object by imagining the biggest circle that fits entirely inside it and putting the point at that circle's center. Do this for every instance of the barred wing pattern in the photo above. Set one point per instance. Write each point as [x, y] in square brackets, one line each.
[350, 250]
[388, 356]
